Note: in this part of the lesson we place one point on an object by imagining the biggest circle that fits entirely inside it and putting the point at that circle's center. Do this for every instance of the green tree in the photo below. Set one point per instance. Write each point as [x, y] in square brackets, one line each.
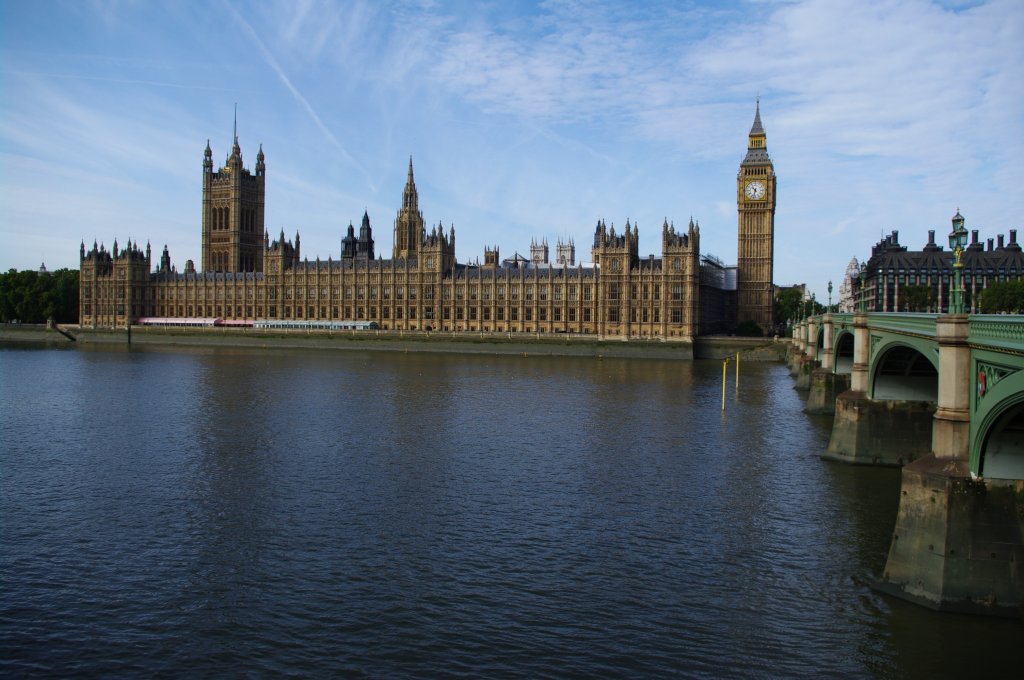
[916, 298]
[64, 296]
[1004, 297]
[787, 305]
[31, 297]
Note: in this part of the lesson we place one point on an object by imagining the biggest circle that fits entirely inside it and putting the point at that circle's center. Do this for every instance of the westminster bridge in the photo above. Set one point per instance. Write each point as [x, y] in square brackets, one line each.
[942, 395]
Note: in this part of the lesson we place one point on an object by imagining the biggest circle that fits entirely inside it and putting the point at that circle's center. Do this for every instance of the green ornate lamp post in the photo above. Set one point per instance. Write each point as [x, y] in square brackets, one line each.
[829, 297]
[957, 241]
[863, 286]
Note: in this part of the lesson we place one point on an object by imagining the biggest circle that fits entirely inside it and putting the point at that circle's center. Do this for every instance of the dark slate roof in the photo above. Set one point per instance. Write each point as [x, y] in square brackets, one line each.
[205, 276]
[757, 157]
[756, 128]
[889, 254]
[464, 273]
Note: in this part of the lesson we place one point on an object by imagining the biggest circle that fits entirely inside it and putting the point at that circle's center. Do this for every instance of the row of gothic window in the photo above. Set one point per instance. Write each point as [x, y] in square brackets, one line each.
[447, 313]
[220, 219]
[221, 262]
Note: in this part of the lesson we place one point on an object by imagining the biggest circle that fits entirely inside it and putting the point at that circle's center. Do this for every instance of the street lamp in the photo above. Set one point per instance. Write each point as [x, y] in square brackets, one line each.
[863, 286]
[957, 241]
[829, 297]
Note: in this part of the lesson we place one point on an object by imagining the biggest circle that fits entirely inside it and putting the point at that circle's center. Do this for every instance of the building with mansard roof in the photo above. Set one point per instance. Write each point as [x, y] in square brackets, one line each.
[892, 266]
[245, 278]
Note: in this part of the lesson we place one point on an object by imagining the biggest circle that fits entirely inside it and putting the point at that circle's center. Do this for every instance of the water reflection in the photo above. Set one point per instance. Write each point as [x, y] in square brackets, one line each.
[275, 512]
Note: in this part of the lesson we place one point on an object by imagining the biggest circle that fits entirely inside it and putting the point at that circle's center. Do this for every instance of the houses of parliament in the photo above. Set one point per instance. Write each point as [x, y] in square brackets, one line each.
[246, 278]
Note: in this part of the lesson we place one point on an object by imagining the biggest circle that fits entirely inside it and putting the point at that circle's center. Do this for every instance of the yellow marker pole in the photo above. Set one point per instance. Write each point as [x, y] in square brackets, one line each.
[725, 364]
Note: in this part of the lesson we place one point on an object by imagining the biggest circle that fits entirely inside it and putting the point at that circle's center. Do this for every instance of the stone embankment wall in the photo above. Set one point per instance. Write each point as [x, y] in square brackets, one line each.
[517, 344]
[750, 349]
[15, 333]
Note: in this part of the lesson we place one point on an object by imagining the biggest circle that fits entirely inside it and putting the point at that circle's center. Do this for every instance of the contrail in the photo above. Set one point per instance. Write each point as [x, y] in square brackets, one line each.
[269, 58]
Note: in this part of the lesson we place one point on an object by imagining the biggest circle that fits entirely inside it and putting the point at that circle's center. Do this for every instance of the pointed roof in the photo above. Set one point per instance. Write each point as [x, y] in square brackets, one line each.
[757, 153]
[410, 199]
[236, 151]
[756, 128]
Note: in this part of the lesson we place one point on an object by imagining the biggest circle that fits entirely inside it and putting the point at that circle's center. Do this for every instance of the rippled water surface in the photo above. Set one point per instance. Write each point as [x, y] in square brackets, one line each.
[224, 513]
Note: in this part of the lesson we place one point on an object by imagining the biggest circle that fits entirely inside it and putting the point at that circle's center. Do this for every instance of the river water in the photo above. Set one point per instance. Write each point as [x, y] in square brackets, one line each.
[219, 512]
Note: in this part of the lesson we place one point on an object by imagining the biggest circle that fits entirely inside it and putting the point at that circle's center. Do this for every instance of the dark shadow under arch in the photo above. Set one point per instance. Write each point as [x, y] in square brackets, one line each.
[903, 373]
[844, 354]
[1002, 450]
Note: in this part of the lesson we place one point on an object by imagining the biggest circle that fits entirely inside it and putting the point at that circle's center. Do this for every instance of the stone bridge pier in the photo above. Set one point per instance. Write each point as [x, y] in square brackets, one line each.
[807, 360]
[885, 417]
[944, 397]
[959, 538]
[830, 379]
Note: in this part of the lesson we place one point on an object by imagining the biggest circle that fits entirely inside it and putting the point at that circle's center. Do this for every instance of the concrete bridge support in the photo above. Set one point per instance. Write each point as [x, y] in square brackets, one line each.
[799, 336]
[879, 431]
[825, 389]
[808, 362]
[876, 431]
[825, 383]
[959, 539]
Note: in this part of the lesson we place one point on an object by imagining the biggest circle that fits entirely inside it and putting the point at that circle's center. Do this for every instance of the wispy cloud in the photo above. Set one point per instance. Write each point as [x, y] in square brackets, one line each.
[268, 57]
[525, 119]
[117, 81]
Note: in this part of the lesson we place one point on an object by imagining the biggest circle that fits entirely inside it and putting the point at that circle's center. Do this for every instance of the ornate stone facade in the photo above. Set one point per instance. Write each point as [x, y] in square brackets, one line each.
[233, 213]
[847, 289]
[755, 253]
[422, 287]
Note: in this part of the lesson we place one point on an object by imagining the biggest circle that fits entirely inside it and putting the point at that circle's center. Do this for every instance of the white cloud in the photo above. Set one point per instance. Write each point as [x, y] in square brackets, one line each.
[524, 120]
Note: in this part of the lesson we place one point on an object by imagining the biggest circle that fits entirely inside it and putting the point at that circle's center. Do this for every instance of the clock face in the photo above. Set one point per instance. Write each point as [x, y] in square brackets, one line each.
[754, 190]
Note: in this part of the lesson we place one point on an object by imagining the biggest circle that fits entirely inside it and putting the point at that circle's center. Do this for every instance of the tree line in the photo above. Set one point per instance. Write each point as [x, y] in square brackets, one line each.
[1001, 297]
[33, 297]
[1004, 297]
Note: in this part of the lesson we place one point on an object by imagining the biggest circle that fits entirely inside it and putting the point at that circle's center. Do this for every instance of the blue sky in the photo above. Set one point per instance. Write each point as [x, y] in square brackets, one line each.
[524, 120]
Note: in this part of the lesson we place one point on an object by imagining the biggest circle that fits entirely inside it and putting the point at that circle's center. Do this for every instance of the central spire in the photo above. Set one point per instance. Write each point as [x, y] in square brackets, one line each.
[757, 151]
[410, 199]
[409, 229]
[756, 128]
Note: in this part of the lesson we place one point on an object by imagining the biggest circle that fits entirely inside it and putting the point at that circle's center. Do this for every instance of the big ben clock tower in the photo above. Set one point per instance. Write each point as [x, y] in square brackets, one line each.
[755, 200]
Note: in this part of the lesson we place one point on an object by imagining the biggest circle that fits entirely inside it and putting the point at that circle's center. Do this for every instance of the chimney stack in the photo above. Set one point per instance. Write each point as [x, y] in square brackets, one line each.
[1000, 240]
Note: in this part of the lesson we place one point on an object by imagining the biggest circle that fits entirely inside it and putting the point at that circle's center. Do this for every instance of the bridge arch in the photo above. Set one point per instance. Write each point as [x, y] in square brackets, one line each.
[1002, 449]
[998, 450]
[902, 371]
[843, 351]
